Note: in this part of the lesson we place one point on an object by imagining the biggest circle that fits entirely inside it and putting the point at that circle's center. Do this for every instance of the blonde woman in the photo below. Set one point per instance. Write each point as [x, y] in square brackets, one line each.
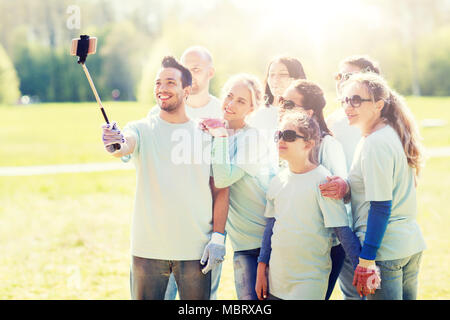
[241, 162]
[382, 185]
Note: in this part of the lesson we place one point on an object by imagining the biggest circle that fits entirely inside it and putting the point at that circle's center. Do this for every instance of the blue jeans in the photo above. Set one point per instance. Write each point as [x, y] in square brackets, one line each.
[398, 279]
[171, 292]
[149, 278]
[245, 264]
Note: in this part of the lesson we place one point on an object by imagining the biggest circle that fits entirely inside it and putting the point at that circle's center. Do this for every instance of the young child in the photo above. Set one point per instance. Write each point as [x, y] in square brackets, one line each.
[302, 220]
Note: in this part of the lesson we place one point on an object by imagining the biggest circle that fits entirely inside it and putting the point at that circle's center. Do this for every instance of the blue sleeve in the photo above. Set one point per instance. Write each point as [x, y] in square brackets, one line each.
[266, 246]
[350, 243]
[377, 222]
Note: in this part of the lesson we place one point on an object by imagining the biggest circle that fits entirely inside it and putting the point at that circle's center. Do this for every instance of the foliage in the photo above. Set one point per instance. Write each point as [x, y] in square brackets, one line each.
[9, 83]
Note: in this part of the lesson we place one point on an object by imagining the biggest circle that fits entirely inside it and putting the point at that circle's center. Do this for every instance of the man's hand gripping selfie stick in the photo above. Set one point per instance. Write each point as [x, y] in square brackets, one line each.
[81, 48]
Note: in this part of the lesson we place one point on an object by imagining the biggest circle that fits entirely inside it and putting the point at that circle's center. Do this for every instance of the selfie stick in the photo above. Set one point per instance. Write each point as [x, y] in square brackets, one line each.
[82, 52]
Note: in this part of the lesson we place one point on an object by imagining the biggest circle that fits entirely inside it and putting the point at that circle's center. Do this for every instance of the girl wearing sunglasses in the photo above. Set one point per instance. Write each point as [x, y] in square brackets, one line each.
[241, 161]
[347, 135]
[303, 222]
[382, 184]
[306, 96]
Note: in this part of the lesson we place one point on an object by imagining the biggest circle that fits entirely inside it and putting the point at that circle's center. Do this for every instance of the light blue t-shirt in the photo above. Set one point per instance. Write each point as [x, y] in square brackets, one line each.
[331, 156]
[172, 217]
[265, 119]
[246, 222]
[300, 262]
[380, 172]
[346, 134]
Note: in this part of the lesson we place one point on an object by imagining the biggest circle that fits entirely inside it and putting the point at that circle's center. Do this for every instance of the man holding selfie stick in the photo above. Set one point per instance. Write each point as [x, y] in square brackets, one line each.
[173, 227]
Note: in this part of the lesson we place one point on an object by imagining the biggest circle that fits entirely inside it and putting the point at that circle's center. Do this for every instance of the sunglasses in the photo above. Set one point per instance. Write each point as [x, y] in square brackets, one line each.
[343, 76]
[287, 135]
[355, 101]
[288, 104]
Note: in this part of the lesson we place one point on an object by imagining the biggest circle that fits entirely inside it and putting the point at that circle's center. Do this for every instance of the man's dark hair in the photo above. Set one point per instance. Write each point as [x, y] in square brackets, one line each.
[186, 76]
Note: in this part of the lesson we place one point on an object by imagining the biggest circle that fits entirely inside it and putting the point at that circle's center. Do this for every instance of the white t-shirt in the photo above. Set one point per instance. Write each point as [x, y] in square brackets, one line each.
[346, 134]
[265, 119]
[380, 172]
[332, 157]
[246, 222]
[172, 217]
[211, 110]
[300, 262]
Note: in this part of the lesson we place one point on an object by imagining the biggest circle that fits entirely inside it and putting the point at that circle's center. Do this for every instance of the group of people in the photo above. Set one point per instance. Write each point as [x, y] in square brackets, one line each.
[304, 200]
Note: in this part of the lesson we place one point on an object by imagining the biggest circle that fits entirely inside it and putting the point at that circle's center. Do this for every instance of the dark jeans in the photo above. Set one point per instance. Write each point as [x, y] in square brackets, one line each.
[337, 260]
[245, 265]
[149, 278]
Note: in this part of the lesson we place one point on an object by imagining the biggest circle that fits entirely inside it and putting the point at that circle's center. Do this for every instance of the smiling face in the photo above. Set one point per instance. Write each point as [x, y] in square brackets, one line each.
[237, 103]
[278, 78]
[366, 113]
[169, 92]
[201, 69]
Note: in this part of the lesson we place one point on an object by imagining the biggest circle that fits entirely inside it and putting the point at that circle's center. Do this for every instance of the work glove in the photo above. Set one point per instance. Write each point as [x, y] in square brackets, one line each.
[214, 252]
[216, 127]
[335, 188]
[112, 135]
[367, 277]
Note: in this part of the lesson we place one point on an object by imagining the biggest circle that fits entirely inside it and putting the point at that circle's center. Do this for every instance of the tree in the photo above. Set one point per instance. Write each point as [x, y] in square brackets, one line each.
[9, 82]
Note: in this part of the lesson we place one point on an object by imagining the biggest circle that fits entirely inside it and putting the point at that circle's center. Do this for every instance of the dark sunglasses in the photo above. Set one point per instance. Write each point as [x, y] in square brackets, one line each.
[288, 104]
[287, 135]
[355, 101]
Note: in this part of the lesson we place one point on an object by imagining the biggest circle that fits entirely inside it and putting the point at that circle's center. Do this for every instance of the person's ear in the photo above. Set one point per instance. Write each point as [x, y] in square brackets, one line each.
[309, 144]
[211, 72]
[187, 92]
[309, 112]
[379, 105]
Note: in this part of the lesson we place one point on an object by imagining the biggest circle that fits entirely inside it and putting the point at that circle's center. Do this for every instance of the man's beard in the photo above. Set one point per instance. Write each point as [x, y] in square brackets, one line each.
[172, 107]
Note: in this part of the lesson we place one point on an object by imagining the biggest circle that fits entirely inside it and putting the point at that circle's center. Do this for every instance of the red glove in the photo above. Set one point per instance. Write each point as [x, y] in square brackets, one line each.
[335, 188]
[366, 280]
[217, 127]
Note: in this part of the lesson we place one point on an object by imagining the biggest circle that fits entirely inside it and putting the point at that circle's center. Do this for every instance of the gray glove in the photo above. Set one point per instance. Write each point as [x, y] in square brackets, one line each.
[214, 252]
[112, 135]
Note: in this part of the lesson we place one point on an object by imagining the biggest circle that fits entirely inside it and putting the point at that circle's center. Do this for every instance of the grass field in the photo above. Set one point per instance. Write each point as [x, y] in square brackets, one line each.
[67, 236]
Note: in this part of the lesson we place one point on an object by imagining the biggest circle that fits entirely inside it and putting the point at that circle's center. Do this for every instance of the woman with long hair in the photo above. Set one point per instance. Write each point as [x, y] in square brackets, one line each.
[382, 185]
[347, 135]
[241, 161]
[281, 72]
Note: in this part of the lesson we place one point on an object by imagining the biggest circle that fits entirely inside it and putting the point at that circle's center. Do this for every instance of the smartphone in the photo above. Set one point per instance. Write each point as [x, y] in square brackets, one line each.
[92, 45]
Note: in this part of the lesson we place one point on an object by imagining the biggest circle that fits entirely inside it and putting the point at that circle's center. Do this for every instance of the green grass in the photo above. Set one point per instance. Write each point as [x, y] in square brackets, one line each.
[67, 236]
